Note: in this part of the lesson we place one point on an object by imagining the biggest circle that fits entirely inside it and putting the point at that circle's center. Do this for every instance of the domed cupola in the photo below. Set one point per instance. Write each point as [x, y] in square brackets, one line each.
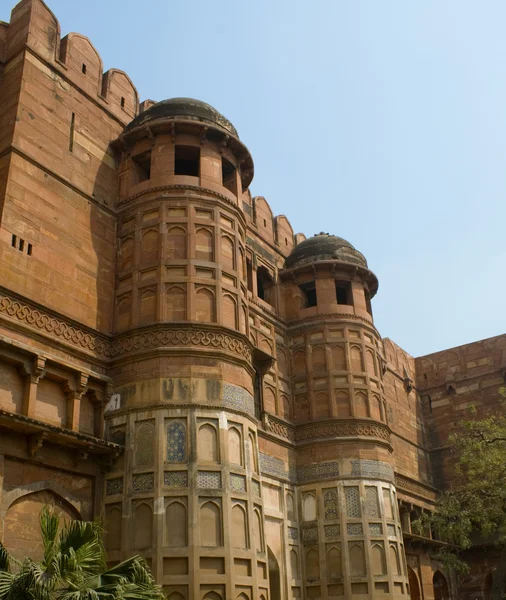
[184, 109]
[183, 141]
[324, 246]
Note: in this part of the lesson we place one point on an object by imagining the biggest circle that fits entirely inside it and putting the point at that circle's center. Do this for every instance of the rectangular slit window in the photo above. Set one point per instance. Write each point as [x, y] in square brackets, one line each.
[83, 69]
[72, 128]
[309, 291]
[122, 102]
[249, 274]
[228, 175]
[142, 164]
[29, 249]
[187, 161]
[343, 293]
[21, 245]
[368, 302]
[14, 241]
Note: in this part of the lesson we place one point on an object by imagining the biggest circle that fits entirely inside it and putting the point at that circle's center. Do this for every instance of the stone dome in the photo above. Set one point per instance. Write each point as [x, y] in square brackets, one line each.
[324, 246]
[186, 109]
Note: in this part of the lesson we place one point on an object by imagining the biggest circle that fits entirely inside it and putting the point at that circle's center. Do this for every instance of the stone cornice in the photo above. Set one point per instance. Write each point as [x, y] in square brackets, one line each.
[349, 429]
[106, 348]
[415, 488]
[177, 187]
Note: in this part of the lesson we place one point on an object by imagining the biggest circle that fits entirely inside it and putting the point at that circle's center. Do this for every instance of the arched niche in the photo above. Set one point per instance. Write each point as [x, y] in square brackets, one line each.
[210, 525]
[22, 535]
[176, 525]
[207, 443]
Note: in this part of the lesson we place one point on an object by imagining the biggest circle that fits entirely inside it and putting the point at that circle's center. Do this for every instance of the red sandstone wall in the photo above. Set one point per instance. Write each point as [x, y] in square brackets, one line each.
[58, 120]
[452, 381]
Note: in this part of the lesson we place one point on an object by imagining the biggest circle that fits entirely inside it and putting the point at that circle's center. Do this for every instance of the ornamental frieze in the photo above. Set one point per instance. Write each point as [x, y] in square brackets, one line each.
[348, 428]
[106, 347]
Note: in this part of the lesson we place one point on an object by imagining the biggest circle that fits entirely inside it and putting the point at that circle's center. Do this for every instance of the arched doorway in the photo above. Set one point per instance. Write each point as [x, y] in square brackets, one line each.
[22, 535]
[414, 586]
[441, 591]
[274, 577]
[487, 586]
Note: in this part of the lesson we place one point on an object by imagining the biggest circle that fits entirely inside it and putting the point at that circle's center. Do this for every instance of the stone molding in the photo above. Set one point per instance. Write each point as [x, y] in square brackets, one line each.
[327, 429]
[108, 348]
[413, 487]
[62, 329]
[168, 335]
[178, 187]
[40, 486]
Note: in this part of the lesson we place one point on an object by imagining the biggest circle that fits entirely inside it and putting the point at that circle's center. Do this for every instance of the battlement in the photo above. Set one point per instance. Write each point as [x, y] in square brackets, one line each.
[34, 27]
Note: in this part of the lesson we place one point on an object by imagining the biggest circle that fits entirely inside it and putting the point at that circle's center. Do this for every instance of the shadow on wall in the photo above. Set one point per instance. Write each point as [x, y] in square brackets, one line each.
[103, 228]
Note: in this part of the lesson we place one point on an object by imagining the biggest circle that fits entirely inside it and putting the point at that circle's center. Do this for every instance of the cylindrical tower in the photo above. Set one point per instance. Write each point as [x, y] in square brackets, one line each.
[350, 529]
[187, 492]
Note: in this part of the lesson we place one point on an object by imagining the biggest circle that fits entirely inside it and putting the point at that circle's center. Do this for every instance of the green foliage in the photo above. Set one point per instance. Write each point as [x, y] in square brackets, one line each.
[476, 505]
[74, 567]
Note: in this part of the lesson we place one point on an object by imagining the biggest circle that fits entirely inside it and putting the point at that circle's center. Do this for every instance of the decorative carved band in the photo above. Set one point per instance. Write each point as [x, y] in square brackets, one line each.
[49, 324]
[106, 348]
[412, 487]
[165, 335]
[341, 428]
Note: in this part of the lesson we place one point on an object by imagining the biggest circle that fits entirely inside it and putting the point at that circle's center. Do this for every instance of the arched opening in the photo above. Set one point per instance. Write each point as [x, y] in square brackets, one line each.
[22, 534]
[441, 591]
[265, 285]
[274, 576]
[414, 586]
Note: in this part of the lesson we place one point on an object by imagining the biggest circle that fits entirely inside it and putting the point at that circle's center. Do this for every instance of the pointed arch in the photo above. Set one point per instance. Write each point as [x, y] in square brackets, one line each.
[210, 525]
[357, 560]
[229, 310]
[294, 564]
[205, 306]
[339, 358]
[147, 306]
[414, 585]
[394, 560]
[149, 246]
[312, 564]
[361, 405]
[175, 303]
[321, 405]
[379, 566]
[259, 530]
[176, 441]
[299, 363]
[176, 525]
[334, 562]
[370, 362]
[290, 507]
[309, 507]
[227, 253]
[253, 461]
[207, 443]
[239, 527]
[357, 365]
[376, 408]
[126, 254]
[441, 590]
[113, 528]
[235, 455]
[204, 244]
[143, 444]
[142, 526]
[176, 243]
[343, 408]
[318, 359]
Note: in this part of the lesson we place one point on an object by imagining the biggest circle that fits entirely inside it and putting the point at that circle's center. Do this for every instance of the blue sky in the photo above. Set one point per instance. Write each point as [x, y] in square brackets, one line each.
[383, 122]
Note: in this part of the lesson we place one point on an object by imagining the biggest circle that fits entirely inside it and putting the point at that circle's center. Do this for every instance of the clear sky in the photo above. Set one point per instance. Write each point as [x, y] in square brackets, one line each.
[381, 121]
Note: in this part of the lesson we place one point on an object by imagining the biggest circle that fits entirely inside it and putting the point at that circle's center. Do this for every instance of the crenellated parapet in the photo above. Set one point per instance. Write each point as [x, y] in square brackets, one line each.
[33, 26]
